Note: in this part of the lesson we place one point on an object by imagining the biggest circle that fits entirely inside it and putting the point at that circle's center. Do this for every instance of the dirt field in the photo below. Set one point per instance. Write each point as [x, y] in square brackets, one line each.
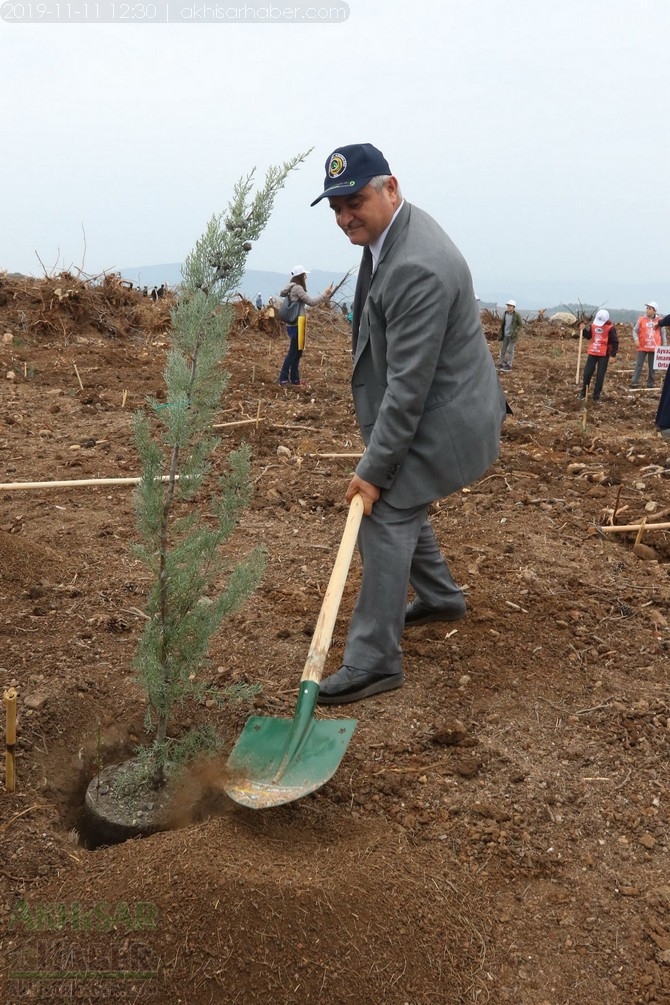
[497, 830]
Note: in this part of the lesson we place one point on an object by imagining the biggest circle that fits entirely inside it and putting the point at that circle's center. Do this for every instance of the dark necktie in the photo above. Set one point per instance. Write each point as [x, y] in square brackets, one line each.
[361, 294]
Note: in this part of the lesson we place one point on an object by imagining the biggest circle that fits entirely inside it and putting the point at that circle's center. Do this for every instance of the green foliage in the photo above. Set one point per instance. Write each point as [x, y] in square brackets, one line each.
[218, 260]
[172, 754]
[181, 544]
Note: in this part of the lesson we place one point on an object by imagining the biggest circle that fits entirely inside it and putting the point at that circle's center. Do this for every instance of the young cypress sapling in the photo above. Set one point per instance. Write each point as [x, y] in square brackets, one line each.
[180, 543]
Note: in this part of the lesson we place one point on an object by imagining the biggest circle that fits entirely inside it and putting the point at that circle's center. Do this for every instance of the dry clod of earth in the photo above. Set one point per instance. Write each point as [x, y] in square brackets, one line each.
[498, 828]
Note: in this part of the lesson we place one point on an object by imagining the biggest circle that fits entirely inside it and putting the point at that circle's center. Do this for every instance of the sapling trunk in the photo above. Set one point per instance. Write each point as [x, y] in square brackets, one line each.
[175, 443]
[164, 709]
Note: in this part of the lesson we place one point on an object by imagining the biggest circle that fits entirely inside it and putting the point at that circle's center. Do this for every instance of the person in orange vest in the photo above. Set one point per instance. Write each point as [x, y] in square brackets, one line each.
[646, 336]
[604, 343]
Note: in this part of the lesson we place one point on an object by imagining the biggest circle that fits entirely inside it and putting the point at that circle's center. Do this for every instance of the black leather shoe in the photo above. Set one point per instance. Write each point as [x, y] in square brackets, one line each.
[350, 684]
[418, 613]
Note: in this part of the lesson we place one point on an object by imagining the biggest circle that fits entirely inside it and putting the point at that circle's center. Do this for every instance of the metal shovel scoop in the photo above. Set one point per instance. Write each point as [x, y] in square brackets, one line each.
[278, 760]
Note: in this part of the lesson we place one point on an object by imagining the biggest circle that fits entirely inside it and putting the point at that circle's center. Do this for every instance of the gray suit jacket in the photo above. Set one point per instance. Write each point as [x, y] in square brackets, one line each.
[427, 396]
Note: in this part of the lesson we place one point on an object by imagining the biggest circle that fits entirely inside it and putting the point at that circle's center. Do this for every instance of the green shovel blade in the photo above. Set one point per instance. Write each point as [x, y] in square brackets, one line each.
[278, 760]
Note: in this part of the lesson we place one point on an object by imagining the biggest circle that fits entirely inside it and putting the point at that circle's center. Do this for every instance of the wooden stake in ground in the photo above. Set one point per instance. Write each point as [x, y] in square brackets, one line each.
[579, 355]
[640, 531]
[10, 738]
[358, 455]
[73, 484]
[629, 528]
[616, 505]
[585, 409]
[239, 422]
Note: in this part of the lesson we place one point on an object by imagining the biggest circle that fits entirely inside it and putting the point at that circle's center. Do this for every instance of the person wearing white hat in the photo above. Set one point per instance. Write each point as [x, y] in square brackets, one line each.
[296, 290]
[604, 343]
[510, 328]
[646, 336]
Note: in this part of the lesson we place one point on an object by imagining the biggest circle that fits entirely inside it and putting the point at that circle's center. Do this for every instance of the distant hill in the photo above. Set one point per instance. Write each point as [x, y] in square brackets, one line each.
[614, 297]
[268, 284]
[624, 301]
[622, 316]
[589, 310]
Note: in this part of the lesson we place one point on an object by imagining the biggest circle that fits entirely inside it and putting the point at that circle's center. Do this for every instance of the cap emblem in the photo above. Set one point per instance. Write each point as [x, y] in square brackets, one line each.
[338, 164]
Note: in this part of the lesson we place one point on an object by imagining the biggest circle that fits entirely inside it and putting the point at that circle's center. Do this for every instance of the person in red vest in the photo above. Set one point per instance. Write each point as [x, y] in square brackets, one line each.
[603, 344]
[646, 336]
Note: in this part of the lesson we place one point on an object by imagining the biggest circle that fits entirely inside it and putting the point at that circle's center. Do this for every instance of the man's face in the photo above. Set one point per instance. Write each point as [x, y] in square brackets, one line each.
[509, 308]
[366, 214]
[650, 312]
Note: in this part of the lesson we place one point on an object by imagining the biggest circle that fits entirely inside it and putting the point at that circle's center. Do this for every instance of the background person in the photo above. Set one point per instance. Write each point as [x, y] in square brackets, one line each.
[296, 289]
[429, 406]
[604, 343]
[646, 336]
[510, 328]
[663, 414]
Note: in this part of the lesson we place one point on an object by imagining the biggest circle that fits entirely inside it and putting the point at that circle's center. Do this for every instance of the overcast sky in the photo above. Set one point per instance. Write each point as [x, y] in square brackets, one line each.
[537, 134]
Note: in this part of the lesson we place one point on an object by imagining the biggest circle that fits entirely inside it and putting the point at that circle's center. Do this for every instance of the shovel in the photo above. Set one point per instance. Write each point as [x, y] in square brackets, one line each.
[278, 760]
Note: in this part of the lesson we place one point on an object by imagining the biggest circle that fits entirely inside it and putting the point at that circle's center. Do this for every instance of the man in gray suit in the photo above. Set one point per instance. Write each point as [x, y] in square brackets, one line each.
[429, 406]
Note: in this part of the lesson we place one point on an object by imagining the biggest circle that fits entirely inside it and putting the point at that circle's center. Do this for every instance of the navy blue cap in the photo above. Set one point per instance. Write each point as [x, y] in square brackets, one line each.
[349, 169]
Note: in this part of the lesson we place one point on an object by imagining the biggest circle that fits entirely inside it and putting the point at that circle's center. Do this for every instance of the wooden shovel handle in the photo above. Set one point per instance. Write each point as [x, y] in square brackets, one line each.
[323, 633]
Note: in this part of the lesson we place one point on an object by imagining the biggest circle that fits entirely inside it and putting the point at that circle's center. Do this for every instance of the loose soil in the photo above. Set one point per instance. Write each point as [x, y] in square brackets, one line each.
[497, 830]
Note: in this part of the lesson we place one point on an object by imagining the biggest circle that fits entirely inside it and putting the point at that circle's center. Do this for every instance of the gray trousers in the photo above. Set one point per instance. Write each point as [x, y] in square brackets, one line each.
[506, 349]
[397, 547]
[639, 364]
